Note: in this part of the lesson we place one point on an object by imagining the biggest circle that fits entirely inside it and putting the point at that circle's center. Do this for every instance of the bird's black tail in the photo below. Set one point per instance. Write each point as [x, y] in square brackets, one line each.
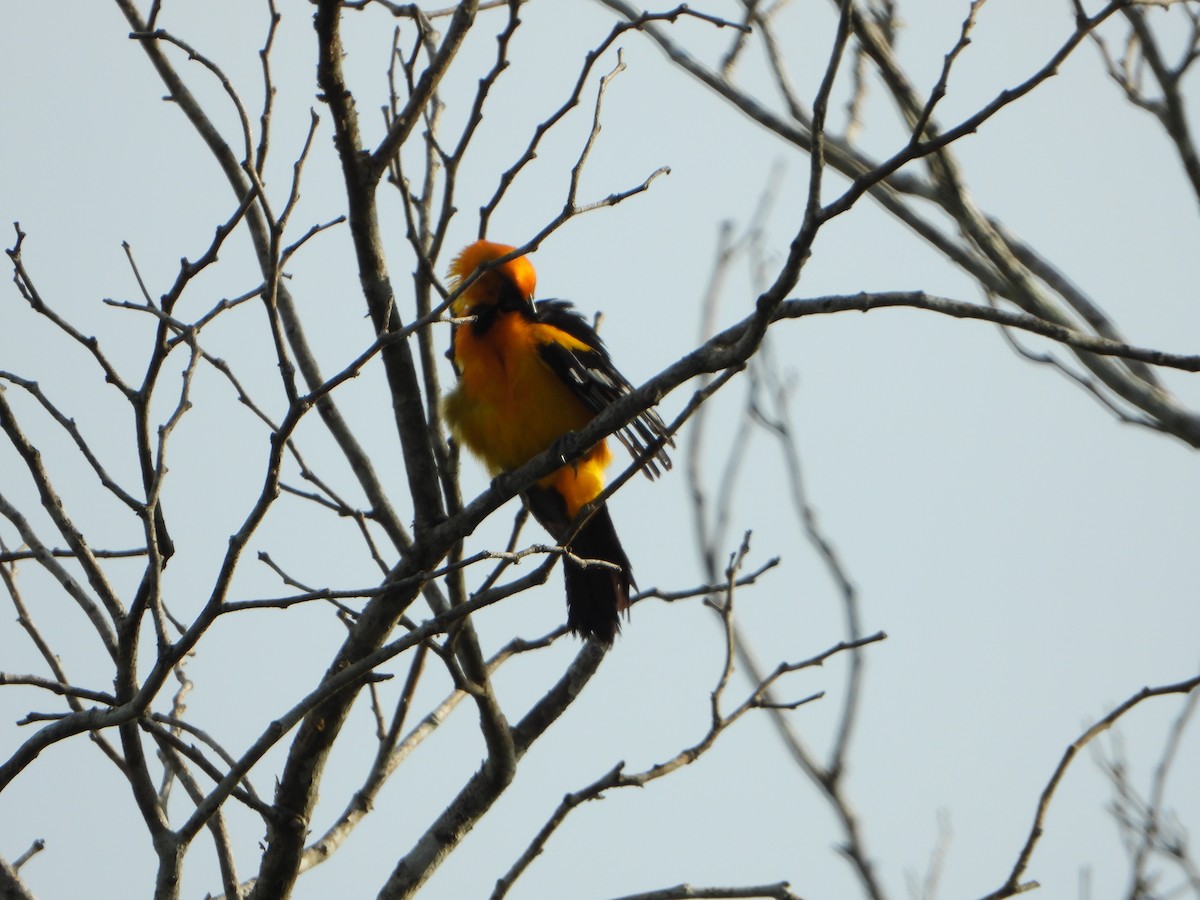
[596, 594]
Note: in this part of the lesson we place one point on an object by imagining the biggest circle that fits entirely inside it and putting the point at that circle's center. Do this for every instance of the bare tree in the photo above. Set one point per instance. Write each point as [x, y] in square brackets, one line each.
[234, 454]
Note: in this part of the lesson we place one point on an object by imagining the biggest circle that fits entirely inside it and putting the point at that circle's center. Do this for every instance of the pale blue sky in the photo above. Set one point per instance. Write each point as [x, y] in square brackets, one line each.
[1033, 561]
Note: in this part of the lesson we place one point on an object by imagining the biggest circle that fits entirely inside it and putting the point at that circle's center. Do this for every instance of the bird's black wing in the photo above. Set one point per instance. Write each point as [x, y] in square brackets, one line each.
[592, 377]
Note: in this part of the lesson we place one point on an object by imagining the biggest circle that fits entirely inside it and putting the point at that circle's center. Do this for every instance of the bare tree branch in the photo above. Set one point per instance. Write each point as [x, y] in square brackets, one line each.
[1014, 884]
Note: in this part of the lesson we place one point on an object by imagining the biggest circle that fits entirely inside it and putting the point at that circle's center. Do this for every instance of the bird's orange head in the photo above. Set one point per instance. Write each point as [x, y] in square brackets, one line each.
[491, 287]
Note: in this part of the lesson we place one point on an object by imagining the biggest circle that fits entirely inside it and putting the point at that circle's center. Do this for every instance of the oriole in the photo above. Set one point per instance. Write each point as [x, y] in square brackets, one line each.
[528, 374]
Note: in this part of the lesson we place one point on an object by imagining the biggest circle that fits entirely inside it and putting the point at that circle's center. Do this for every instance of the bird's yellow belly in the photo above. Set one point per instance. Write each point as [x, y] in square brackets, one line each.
[509, 406]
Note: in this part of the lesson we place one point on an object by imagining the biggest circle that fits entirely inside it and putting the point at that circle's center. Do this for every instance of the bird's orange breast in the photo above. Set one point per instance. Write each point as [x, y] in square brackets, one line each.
[509, 405]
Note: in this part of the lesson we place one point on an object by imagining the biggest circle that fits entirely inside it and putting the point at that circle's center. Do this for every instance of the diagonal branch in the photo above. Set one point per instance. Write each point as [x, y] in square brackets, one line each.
[1013, 884]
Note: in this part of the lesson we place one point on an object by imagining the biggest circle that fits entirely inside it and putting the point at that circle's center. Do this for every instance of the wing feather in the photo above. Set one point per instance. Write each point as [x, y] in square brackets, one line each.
[592, 377]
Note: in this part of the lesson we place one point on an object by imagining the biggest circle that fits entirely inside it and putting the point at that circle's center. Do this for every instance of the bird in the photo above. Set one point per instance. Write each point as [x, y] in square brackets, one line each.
[529, 373]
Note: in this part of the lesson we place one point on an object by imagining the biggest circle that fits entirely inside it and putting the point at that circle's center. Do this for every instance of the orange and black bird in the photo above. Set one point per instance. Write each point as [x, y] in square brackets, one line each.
[529, 373]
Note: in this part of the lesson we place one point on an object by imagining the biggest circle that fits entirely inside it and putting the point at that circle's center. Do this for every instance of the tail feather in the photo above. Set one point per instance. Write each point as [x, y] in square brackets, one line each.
[596, 595]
